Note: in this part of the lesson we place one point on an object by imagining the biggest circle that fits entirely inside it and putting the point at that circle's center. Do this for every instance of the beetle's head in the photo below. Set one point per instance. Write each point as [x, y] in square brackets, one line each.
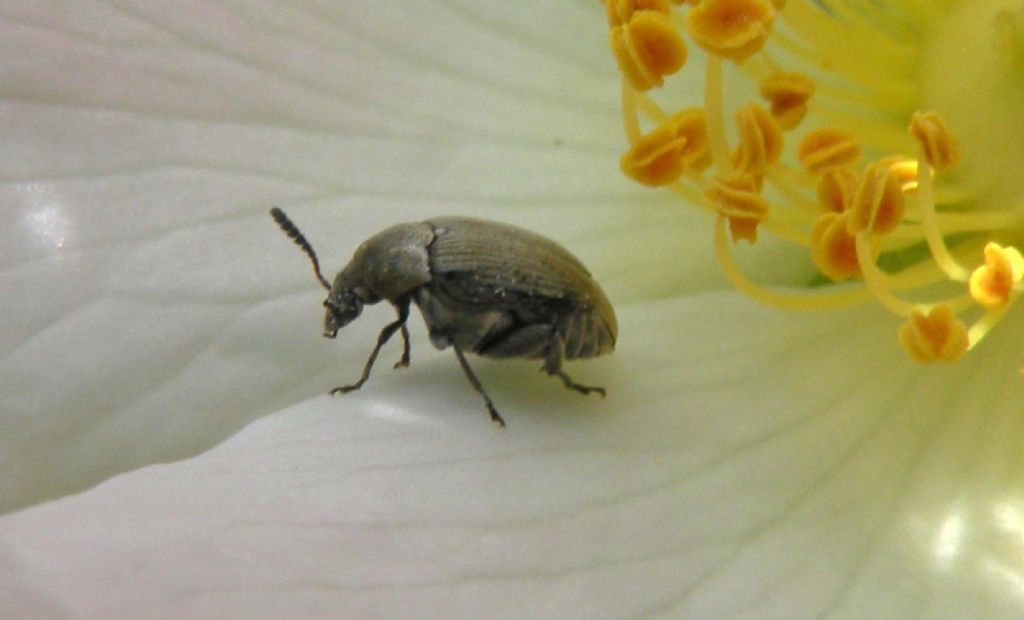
[344, 300]
[342, 308]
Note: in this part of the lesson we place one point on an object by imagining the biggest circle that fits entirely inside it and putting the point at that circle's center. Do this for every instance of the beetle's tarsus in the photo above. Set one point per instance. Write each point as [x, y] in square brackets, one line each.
[582, 389]
[345, 389]
[495, 416]
[553, 366]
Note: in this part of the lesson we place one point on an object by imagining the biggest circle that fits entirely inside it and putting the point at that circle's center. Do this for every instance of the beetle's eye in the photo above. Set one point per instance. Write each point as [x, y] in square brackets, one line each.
[335, 310]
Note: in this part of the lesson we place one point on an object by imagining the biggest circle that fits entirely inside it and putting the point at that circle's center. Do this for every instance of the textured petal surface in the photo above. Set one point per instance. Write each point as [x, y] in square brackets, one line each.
[832, 496]
[151, 307]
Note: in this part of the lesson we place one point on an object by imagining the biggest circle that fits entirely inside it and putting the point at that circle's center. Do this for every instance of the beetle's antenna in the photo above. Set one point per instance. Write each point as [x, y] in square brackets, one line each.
[295, 235]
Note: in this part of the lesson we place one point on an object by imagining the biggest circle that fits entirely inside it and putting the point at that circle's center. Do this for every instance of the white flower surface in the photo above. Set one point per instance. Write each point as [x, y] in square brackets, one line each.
[166, 447]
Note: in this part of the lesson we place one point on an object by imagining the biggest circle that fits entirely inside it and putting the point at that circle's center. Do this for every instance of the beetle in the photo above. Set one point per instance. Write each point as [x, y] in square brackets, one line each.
[482, 287]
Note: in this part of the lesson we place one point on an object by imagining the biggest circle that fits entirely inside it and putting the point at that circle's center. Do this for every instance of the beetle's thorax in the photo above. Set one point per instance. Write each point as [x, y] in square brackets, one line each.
[392, 263]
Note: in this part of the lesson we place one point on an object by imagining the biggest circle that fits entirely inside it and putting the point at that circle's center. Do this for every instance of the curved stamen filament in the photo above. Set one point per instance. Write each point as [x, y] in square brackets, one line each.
[983, 325]
[926, 211]
[875, 279]
[824, 301]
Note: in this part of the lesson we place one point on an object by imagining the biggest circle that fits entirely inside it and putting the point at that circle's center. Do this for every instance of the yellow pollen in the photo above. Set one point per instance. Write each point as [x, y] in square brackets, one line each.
[833, 249]
[788, 93]
[824, 149]
[733, 29]
[647, 49]
[878, 203]
[935, 336]
[992, 283]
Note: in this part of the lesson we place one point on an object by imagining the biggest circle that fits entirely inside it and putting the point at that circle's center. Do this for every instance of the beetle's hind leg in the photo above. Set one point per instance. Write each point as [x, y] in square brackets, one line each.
[553, 366]
[495, 416]
[385, 334]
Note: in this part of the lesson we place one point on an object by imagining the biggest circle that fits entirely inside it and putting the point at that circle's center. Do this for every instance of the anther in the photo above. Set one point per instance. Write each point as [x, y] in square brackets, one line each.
[647, 49]
[619, 11]
[663, 155]
[992, 283]
[656, 158]
[760, 140]
[733, 29]
[904, 169]
[937, 142]
[935, 336]
[824, 149]
[737, 198]
[836, 189]
[788, 94]
[833, 249]
[878, 204]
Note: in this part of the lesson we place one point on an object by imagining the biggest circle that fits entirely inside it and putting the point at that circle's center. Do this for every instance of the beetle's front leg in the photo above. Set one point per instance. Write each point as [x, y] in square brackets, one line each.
[553, 366]
[402, 307]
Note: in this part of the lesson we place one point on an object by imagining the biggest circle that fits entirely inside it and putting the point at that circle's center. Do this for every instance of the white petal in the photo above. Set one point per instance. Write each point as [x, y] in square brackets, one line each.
[853, 481]
[151, 307]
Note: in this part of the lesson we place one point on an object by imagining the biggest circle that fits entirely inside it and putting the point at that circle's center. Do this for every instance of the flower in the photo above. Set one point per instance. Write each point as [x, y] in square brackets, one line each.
[163, 372]
[872, 185]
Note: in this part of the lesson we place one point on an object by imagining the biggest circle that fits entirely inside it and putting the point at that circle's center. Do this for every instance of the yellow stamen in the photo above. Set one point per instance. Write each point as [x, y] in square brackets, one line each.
[836, 189]
[620, 11]
[760, 139]
[824, 149]
[736, 197]
[803, 302]
[788, 93]
[833, 249]
[911, 224]
[878, 203]
[937, 143]
[992, 283]
[905, 171]
[661, 156]
[647, 49]
[714, 109]
[656, 158]
[733, 29]
[935, 336]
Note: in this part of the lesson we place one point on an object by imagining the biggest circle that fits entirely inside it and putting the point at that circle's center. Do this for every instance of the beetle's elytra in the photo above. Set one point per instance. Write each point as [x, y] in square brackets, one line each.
[483, 287]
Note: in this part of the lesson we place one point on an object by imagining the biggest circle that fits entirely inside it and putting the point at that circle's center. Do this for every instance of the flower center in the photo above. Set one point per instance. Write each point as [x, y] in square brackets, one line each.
[887, 143]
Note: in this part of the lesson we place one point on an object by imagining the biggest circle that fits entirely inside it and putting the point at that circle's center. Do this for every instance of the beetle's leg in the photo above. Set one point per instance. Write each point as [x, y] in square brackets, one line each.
[495, 416]
[404, 362]
[403, 313]
[385, 335]
[553, 366]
